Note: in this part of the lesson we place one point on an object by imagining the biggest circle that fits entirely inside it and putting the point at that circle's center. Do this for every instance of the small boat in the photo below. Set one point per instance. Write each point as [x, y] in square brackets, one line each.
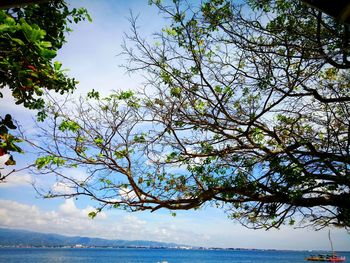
[328, 258]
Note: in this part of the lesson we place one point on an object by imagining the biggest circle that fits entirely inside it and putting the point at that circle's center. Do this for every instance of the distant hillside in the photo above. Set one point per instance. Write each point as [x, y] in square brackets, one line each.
[14, 237]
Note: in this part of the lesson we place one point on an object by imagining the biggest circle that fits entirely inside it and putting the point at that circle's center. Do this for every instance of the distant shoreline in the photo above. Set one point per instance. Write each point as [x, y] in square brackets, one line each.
[16, 238]
[165, 248]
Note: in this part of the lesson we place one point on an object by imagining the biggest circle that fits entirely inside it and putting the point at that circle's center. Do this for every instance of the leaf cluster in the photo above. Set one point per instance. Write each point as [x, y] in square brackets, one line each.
[30, 37]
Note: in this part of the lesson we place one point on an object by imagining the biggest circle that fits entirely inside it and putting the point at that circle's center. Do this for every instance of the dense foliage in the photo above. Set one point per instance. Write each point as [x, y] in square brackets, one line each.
[248, 109]
[30, 36]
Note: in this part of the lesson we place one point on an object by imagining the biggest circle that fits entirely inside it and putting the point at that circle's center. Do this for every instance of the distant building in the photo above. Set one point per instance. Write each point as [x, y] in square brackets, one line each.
[78, 246]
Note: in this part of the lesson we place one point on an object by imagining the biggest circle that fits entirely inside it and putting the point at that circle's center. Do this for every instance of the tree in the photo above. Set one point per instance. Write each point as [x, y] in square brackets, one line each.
[6, 4]
[248, 110]
[30, 37]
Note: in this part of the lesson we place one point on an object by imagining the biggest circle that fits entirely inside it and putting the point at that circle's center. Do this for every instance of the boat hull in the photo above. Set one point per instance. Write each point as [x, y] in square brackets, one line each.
[327, 259]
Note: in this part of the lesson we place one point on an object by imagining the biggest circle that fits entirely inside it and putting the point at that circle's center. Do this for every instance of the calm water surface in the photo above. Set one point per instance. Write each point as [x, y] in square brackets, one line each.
[104, 255]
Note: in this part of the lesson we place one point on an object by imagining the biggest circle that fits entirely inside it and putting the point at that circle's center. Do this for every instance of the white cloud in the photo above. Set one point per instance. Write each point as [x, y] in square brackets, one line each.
[61, 188]
[134, 220]
[186, 228]
[16, 179]
[69, 209]
[68, 219]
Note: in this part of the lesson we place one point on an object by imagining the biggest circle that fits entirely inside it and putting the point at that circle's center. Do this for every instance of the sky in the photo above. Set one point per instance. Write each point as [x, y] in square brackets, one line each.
[91, 55]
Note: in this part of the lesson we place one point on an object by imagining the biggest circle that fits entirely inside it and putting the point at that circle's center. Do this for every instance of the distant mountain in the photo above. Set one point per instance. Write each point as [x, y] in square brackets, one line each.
[15, 237]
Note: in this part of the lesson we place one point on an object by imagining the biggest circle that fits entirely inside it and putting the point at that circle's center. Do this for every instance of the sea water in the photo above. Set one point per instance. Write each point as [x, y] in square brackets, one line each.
[129, 255]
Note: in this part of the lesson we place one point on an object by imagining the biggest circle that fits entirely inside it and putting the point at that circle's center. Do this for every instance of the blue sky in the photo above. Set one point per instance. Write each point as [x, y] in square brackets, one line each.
[91, 55]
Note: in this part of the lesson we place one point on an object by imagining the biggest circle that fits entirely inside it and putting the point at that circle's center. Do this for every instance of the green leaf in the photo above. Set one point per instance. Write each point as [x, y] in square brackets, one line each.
[108, 182]
[175, 92]
[33, 34]
[57, 65]
[9, 21]
[218, 89]
[170, 31]
[98, 140]
[140, 138]
[45, 161]
[68, 125]
[93, 94]
[92, 215]
[41, 162]
[18, 41]
[120, 154]
[88, 17]
[47, 53]
[45, 44]
[124, 95]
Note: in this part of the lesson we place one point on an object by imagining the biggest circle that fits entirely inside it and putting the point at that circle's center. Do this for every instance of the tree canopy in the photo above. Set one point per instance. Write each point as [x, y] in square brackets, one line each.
[30, 36]
[6, 4]
[246, 108]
